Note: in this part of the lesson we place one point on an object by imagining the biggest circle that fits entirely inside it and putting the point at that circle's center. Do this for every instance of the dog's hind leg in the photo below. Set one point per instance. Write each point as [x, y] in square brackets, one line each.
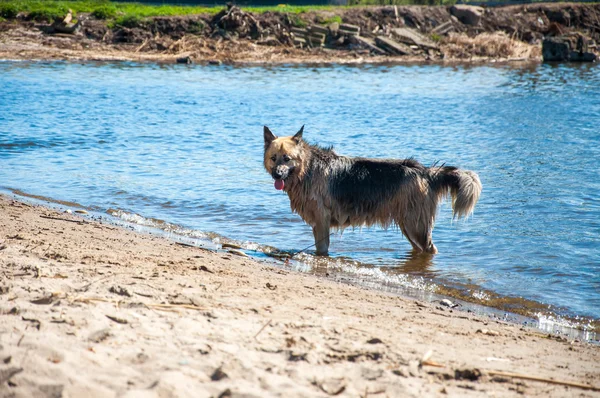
[431, 249]
[321, 233]
[419, 236]
[414, 245]
[426, 241]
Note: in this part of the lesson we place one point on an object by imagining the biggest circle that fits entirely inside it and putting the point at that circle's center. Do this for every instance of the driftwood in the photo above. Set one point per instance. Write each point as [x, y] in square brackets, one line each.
[65, 25]
[474, 374]
[411, 36]
[235, 20]
[369, 44]
[543, 380]
[392, 46]
[443, 28]
[68, 28]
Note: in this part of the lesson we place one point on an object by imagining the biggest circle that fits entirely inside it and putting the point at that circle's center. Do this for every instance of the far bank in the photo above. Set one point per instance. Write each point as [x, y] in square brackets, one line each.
[389, 34]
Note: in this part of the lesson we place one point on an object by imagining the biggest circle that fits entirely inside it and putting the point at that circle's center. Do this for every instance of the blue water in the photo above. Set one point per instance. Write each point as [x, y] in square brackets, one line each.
[184, 145]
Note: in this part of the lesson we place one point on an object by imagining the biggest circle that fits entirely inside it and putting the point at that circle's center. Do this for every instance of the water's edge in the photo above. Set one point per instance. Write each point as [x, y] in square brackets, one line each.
[342, 271]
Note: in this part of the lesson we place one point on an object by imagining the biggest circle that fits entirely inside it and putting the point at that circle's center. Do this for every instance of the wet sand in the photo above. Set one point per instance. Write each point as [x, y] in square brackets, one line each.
[95, 310]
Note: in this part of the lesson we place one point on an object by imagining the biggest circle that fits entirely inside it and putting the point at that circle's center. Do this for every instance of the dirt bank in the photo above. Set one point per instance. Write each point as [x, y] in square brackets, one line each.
[94, 310]
[354, 35]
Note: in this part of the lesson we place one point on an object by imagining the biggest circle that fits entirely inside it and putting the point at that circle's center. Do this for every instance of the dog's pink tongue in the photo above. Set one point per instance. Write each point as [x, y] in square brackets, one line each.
[279, 184]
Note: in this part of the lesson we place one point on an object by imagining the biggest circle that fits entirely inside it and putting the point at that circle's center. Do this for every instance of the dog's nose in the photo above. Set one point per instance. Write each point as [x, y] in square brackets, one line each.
[280, 172]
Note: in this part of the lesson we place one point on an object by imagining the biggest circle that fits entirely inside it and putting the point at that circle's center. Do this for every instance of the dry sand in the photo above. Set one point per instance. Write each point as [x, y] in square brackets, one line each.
[95, 310]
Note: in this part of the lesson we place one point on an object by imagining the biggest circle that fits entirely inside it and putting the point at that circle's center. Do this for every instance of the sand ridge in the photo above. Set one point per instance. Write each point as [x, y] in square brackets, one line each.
[95, 310]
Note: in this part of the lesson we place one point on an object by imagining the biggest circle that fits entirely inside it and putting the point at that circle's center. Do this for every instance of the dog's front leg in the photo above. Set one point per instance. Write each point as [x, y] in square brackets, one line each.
[321, 233]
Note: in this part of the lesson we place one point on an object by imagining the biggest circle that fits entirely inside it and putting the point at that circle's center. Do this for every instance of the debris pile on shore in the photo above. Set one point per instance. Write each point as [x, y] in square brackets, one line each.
[407, 33]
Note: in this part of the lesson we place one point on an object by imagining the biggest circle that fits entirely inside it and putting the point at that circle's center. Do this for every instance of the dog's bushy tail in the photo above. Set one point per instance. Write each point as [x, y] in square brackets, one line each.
[462, 185]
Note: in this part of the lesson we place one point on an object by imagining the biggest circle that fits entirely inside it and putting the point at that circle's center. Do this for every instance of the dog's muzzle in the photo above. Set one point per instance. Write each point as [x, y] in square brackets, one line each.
[280, 173]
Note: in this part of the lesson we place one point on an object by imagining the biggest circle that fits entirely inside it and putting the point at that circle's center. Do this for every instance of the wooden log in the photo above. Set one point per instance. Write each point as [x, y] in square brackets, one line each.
[369, 44]
[410, 36]
[316, 41]
[392, 46]
[67, 28]
[444, 28]
[319, 29]
[318, 35]
[299, 42]
[347, 32]
[350, 28]
[299, 31]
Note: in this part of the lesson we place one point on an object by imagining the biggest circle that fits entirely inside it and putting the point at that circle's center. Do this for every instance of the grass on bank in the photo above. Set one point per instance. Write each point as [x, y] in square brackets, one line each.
[126, 13]
[50, 10]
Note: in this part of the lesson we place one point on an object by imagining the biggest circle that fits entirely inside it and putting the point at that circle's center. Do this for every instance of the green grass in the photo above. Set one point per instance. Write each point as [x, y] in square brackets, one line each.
[296, 21]
[8, 11]
[129, 21]
[400, 2]
[329, 21]
[290, 9]
[101, 9]
[134, 13]
[105, 9]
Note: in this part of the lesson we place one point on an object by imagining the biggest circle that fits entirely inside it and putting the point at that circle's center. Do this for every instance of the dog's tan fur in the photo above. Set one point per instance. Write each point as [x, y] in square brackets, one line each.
[332, 191]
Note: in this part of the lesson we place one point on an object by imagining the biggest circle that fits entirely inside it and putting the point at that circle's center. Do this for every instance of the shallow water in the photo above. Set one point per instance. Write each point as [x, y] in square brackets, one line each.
[184, 145]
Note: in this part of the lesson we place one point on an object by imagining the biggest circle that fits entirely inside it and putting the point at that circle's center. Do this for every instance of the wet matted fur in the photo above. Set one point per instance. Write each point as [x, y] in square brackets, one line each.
[333, 191]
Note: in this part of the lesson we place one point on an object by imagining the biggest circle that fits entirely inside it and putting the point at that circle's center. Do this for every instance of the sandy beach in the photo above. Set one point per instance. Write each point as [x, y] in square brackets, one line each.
[91, 309]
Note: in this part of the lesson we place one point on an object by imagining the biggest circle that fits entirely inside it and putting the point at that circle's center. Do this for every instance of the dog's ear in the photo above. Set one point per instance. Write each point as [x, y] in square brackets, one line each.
[269, 137]
[298, 136]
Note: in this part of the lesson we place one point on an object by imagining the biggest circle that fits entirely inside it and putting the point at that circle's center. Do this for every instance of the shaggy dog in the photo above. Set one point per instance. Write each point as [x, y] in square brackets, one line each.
[333, 191]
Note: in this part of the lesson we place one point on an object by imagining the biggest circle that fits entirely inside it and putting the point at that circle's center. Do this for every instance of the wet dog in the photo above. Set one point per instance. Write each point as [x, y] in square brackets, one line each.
[333, 191]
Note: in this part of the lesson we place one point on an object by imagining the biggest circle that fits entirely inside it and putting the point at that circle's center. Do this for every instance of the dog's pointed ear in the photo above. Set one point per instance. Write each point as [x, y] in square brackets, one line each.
[298, 136]
[269, 137]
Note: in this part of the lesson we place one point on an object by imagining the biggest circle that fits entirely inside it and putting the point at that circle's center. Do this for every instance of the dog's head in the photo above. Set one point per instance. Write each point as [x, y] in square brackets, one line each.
[283, 156]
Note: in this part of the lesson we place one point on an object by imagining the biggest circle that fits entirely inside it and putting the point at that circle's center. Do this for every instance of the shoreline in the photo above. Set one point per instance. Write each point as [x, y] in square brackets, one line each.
[388, 61]
[416, 34]
[531, 313]
[25, 53]
[94, 309]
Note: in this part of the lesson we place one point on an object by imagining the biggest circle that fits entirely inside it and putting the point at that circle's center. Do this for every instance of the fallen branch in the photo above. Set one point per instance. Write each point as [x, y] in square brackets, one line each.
[427, 362]
[87, 300]
[163, 307]
[175, 306]
[543, 379]
[432, 363]
[263, 328]
[142, 46]
[63, 219]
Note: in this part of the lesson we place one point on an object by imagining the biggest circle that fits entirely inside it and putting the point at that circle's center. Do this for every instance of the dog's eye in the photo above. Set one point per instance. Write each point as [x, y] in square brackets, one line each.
[286, 158]
[273, 158]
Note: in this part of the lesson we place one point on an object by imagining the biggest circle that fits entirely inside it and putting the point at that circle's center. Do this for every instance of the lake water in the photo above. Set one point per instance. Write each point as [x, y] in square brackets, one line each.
[183, 144]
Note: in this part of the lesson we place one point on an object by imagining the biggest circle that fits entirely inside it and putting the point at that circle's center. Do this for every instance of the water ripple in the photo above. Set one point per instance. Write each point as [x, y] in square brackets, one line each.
[184, 145]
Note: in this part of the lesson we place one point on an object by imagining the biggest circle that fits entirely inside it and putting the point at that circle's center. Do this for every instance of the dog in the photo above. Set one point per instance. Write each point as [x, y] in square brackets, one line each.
[333, 191]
